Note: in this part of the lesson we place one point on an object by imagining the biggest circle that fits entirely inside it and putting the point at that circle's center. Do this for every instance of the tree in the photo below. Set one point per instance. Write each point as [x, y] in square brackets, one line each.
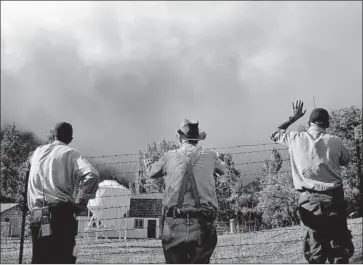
[245, 200]
[278, 200]
[153, 151]
[15, 148]
[225, 188]
[342, 124]
[273, 164]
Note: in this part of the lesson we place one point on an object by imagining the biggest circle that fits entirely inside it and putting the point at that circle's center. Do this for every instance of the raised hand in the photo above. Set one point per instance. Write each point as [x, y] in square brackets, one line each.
[297, 109]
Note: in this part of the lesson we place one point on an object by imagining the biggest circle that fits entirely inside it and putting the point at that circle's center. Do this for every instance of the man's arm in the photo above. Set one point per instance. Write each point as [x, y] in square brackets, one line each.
[155, 169]
[88, 175]
[281, 135]
[345, 156]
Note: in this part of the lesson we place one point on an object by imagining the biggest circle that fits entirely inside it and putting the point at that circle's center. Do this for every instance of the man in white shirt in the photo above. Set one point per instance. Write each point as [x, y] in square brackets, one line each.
[316, 158]
[55, 169]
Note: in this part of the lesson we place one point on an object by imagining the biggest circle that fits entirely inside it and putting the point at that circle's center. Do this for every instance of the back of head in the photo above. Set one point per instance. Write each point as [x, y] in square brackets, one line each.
[320, 117]
[63, 132]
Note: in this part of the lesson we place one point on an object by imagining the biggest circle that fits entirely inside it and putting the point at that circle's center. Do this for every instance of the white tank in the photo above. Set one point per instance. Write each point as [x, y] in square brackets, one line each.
[111, 203]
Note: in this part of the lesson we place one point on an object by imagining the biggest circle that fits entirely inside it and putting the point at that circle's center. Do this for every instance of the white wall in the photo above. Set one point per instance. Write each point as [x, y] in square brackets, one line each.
[15, 219]
[141, 233]
[132, 232]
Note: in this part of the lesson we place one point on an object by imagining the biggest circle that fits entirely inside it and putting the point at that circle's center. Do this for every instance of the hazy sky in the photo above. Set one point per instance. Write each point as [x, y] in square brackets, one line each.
[127, 73]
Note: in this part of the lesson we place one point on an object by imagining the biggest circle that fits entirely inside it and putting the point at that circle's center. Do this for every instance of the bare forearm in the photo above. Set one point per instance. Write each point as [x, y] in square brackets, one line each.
[286, 124]
[90, 185]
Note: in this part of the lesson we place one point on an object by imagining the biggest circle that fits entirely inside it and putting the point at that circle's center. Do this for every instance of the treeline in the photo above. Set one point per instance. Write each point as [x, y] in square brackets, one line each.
[269, 200]
[15, 149]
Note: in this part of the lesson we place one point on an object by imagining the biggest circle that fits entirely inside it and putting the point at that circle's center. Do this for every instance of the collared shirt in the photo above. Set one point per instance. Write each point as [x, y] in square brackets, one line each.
[56, 168]
[316, 157]
[173, 165]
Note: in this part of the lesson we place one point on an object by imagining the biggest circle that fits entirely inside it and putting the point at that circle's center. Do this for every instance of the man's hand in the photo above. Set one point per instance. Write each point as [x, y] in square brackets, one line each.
[297, 113]
[80, 206]
[297, 110]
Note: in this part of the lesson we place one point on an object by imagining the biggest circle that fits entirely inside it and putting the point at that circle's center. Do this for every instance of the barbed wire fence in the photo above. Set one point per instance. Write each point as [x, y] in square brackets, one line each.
[123, 226]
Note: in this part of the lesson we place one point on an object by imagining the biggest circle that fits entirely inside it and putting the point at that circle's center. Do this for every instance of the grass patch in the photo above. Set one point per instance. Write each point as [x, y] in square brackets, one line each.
[282, 245]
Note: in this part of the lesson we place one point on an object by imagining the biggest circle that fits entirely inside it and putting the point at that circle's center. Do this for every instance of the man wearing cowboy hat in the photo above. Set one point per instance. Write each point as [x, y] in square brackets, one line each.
[316, 157]
[190, 201]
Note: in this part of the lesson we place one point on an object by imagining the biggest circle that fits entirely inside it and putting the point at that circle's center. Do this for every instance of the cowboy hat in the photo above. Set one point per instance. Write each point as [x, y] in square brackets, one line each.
[189, 130]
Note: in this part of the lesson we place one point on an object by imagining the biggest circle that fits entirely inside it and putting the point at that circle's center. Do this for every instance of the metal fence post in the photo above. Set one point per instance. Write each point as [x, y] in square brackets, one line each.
[358, 139]
[23, 221]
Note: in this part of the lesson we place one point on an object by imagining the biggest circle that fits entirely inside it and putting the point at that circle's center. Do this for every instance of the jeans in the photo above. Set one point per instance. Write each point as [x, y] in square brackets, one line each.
[327, 236]
[188, 240]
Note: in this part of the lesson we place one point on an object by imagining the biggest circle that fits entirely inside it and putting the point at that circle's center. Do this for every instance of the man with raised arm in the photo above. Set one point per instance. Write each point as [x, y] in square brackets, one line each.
[190, 201]
[54, 171]
[316, 158]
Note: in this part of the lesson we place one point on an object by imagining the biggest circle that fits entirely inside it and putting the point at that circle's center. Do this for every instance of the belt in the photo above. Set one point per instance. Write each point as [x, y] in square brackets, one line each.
[328, 192]
[201, 214]
[63, 210]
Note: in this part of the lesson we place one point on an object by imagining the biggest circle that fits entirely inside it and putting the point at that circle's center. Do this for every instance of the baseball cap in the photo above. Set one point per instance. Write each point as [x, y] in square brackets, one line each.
[319, 116]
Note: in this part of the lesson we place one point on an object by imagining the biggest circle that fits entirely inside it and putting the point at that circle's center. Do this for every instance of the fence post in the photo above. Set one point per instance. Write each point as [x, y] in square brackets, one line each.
[23, 217]
[358, 139]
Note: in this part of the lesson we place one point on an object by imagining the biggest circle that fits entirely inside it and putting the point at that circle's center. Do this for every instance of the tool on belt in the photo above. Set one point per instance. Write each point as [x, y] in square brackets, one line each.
[42, 216]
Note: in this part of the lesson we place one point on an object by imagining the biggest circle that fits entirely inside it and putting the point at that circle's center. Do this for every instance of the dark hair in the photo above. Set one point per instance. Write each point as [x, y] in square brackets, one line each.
[320, 117]
[63, 131]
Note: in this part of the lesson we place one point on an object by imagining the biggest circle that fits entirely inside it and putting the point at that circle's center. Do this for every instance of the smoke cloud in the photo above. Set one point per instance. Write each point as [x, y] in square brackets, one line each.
[125, 74]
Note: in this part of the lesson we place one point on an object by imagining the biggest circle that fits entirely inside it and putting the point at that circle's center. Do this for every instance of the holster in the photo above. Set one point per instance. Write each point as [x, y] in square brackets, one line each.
[35, 216]
[60, 215]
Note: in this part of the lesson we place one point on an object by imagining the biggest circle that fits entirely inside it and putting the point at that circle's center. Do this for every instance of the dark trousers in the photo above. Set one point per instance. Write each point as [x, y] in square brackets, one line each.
[188, 240]
[58, 247]
[327, 236]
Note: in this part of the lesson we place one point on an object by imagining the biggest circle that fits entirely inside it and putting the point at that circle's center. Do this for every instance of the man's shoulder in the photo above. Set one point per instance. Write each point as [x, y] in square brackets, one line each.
[210, 152]
[291, 133]
[170, 153]
[297, 134]
[333, 138]
[67, 150]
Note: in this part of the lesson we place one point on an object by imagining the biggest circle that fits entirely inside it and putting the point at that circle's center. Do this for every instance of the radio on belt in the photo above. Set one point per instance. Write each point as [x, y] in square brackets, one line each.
[45, 222]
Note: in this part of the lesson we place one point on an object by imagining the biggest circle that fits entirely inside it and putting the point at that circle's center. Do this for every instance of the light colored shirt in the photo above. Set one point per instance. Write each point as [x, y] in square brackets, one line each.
[316, 157]
[172, 165]
[56, 168]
